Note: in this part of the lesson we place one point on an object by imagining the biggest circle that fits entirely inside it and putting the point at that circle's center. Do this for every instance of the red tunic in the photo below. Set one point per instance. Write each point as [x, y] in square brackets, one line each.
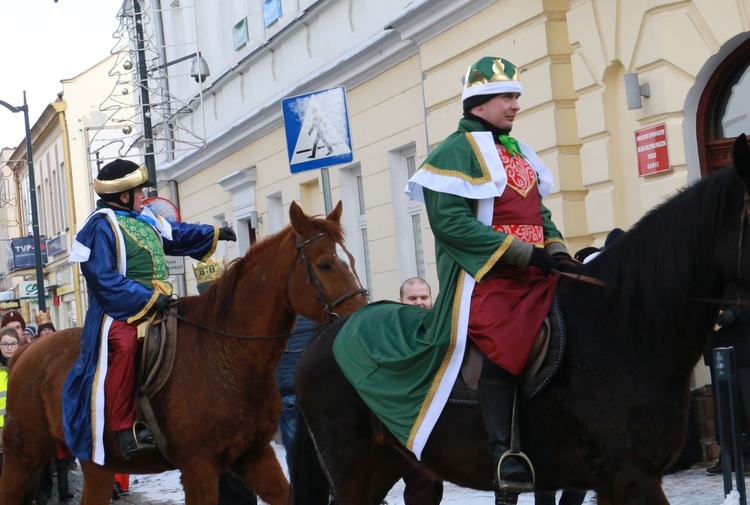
[508, 309]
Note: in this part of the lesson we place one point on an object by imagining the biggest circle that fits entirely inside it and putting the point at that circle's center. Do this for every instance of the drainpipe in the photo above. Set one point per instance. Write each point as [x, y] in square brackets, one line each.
[60, 107]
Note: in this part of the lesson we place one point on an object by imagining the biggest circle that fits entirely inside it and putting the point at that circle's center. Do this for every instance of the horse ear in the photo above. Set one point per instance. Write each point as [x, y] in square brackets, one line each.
[299, 220]
[335, 214]
[741, 157]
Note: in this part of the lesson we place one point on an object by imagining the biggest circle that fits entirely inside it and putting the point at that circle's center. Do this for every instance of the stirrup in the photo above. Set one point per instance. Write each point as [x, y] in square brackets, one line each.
[510, 486]
[147, 442]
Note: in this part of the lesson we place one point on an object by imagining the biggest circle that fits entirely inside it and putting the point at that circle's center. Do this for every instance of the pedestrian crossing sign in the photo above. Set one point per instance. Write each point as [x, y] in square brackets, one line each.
[317, 129]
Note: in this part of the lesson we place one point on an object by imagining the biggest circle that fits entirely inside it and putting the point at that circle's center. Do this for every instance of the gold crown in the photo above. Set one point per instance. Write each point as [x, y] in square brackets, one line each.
[208, 271]
[43, 318]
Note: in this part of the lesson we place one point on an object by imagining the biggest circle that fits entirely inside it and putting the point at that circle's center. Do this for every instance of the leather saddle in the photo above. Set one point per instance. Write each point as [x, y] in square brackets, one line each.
[157, 356]
[544, 361]
[157, 359]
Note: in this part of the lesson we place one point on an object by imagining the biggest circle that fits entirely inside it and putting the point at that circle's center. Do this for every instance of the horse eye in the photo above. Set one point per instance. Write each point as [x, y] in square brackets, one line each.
[325, 266]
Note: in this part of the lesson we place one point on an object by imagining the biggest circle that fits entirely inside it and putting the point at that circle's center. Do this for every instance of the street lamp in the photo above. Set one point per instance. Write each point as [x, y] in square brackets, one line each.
[32, 196]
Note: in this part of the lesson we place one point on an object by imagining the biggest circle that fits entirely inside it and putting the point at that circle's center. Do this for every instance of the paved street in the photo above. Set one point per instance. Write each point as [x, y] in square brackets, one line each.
[689, 487]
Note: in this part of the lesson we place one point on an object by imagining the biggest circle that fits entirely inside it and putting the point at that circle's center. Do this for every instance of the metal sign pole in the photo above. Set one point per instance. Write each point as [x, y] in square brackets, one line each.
[726, 381]
[327, 203]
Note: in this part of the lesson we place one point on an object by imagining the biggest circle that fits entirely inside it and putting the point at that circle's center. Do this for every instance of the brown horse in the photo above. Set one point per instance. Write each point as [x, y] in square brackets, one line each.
[219, 409]
[613, 419]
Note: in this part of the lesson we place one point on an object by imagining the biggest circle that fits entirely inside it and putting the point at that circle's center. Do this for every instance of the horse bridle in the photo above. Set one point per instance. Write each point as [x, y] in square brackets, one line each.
[313, 279]
[744, 220]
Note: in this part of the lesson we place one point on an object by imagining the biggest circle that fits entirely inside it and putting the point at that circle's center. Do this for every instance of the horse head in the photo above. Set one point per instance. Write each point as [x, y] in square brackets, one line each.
[323, 283]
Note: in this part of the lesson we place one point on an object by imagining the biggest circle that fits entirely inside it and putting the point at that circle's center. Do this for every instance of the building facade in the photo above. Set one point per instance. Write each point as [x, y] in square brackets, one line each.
[63, 174]
[599, 77]
[401, 64]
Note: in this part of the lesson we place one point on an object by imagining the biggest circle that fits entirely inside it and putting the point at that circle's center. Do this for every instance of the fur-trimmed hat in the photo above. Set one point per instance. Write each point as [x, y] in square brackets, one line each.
[13, 315]
[488, 77]
[121, 175]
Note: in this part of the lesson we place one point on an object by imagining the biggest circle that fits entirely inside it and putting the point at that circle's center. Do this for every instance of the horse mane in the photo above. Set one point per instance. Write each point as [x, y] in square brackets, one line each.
[641, 277]
[224, 287]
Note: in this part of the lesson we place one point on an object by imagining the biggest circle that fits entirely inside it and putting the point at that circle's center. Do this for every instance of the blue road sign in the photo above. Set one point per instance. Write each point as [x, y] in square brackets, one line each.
[317, 129]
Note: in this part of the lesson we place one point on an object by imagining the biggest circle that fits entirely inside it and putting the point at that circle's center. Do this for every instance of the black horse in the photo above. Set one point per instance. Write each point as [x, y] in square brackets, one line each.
[615, 416]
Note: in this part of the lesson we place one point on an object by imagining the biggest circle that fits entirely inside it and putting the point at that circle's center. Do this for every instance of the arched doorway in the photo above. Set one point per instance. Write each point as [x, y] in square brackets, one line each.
[724, 110]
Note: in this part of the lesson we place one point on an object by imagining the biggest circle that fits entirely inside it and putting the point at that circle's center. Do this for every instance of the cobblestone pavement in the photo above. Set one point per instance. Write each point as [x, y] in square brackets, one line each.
[688, 487]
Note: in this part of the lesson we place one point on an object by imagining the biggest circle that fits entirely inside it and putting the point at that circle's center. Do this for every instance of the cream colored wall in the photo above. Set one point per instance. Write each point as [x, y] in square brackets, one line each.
[667, 44]
[386, 113]
[533, 35]
[85, 95]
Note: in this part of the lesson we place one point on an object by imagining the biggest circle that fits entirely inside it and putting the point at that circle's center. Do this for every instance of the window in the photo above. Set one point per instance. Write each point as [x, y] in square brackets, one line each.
[407, 214]
[275, 213]
[271, 11]
[239, 34]
[722, 110]
[355, 218]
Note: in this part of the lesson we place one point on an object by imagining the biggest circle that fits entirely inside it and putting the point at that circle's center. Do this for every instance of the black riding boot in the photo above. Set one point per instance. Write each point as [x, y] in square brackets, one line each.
[62, 480]
[496, 399]
[130, 445]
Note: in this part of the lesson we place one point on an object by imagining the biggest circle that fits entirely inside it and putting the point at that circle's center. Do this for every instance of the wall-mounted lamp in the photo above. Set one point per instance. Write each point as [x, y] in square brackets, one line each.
[255, 219]
[634, 90]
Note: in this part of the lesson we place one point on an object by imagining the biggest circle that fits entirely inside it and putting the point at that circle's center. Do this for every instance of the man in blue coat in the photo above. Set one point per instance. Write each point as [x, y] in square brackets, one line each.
[122, 250]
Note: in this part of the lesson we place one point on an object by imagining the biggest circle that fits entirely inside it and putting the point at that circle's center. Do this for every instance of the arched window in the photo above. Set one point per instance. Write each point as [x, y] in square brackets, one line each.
[724, 110]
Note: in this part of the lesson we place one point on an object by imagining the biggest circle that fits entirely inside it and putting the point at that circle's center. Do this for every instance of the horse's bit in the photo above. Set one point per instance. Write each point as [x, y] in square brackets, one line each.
[312, 278]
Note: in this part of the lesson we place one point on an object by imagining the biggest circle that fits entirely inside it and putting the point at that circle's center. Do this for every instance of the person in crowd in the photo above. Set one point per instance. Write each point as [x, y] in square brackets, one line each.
[15, 320]
[421, 487]
[28, 335]
[302, 334]
[9, 342]
[732, 329]
[122, 486]
[415, 291]
[496, 242]
[44, 320]
[589, 253]
[122, 250]
[233, 491]
[568, 497]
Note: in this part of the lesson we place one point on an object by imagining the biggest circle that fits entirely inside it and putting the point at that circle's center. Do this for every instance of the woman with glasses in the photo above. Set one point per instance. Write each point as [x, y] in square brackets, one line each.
[8, 346]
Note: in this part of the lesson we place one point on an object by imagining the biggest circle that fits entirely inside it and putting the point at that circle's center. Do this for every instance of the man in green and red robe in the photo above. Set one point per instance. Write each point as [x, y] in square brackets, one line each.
[495, 242]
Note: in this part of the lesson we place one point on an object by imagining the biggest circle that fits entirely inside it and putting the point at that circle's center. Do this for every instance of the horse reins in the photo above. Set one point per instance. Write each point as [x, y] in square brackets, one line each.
[233, 335]
[313, 279]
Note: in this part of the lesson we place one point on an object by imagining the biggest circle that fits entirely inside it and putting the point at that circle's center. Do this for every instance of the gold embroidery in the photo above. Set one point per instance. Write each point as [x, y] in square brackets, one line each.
[94, 389]
[553, 240]
[493, 259]
[444, 365]
[484, 179]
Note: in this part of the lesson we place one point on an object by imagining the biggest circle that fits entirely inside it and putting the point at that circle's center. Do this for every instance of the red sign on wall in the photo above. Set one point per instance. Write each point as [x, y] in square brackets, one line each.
[651, 146]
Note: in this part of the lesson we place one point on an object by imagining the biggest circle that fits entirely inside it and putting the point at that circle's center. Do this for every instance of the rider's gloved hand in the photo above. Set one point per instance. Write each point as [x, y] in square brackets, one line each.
[226, 233]
[564, 262]
[162, 302]
[726, 318]
[542, 260]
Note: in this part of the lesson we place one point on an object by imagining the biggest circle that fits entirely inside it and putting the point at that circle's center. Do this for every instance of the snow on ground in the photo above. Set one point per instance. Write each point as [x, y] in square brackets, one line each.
[688, 487]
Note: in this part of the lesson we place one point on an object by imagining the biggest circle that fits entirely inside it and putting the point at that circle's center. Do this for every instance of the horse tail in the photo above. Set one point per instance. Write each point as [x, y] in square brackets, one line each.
[306, 475]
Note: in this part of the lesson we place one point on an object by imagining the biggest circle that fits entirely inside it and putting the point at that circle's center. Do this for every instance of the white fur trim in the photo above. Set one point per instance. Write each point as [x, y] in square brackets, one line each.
[492, 88]
[98, 393]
